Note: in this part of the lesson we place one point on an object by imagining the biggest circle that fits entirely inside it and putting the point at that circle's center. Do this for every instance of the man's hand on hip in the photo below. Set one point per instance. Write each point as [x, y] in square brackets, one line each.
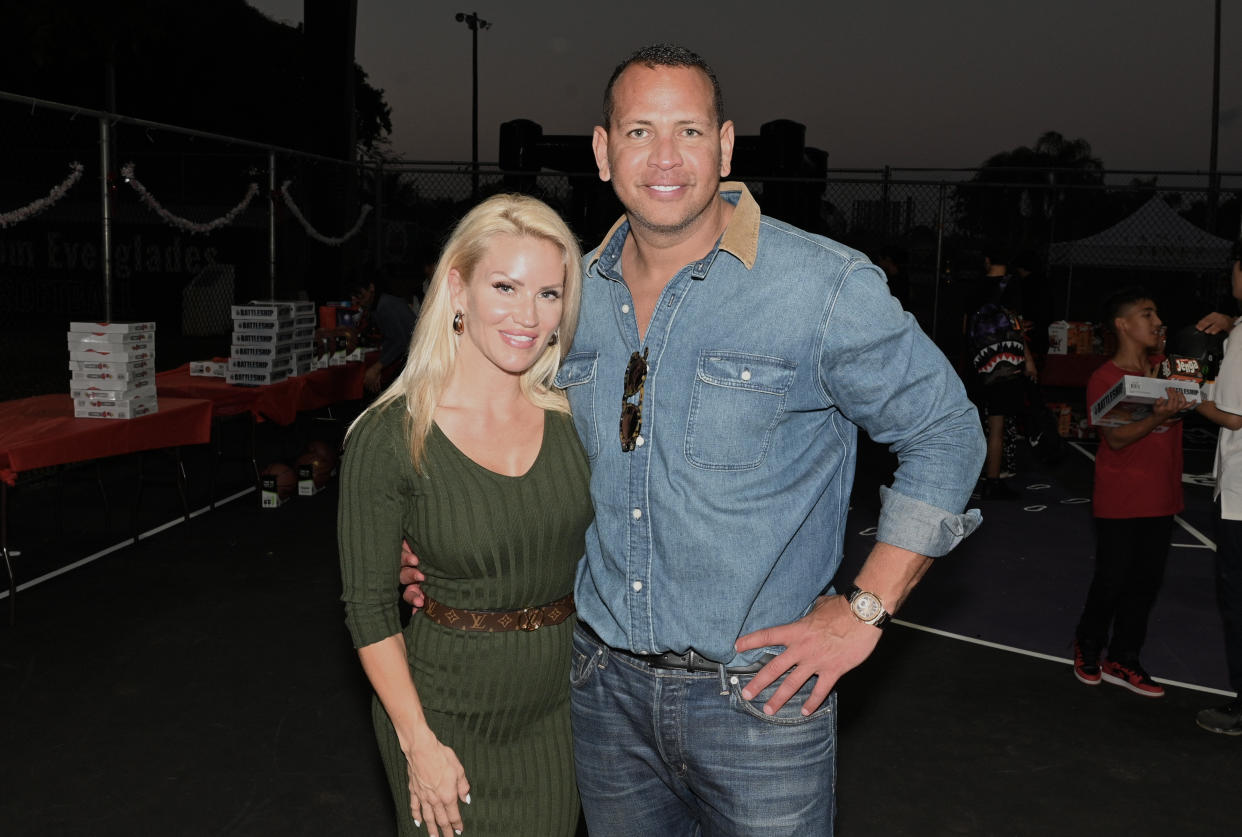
[411, 577]
[826, 643]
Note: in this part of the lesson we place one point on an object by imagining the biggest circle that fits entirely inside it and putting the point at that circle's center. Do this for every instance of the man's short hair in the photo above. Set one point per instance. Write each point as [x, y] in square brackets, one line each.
[665, 55]
[1115, 306]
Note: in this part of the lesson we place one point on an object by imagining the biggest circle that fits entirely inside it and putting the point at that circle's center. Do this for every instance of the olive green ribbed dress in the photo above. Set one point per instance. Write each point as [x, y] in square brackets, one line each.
[486, 542]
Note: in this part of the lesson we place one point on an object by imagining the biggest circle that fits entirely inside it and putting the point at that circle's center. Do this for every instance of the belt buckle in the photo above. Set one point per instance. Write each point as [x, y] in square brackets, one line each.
[697, 662]
[530, 619]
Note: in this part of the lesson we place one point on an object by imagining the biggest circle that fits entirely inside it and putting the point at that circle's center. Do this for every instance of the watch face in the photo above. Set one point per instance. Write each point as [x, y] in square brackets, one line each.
[866, 606]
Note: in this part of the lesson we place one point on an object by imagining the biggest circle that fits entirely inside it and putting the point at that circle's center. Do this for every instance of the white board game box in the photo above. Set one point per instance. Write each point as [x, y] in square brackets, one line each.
[261, 364]
[117, 367]
[112, 328]
[126, 410]
[122, 355]
[143, 386]
[112, 338]
[1131, 399]
[209, 368]
[251, 378]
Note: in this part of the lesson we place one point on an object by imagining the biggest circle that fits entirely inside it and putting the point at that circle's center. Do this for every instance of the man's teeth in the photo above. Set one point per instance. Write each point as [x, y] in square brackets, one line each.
[665, 188]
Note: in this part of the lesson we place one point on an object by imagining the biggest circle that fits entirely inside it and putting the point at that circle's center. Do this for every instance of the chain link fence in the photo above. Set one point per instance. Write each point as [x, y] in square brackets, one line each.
[204, 221]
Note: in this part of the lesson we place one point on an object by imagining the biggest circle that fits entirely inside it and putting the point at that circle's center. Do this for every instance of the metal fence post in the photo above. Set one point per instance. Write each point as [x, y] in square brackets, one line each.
[939, 262]
[884, 196]
[105, 153]
[271, 225]
[378, 174]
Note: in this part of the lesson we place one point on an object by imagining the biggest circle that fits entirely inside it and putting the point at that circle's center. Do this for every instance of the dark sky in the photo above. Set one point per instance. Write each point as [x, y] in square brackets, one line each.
[876, 82]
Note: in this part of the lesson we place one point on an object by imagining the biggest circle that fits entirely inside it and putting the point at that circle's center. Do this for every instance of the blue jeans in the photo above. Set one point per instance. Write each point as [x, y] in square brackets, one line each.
[682, 754]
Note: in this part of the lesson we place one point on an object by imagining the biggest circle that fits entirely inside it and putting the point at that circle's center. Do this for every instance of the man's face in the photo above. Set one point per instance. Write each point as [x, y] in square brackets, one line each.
[664, 152]
[1140, 323]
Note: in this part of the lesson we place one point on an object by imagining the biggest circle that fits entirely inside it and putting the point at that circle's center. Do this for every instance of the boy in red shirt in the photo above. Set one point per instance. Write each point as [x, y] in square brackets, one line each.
[1138, 489]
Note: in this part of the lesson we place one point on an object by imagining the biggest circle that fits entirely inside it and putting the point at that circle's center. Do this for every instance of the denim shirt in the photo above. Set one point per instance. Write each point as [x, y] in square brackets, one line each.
[764, 358]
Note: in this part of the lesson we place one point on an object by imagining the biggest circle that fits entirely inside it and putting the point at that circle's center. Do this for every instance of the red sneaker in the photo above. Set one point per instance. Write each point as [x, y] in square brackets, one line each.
[1131, 676]
[1086, 665]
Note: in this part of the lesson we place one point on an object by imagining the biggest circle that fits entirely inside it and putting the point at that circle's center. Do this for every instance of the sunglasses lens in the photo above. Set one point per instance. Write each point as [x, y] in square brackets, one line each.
[634, 374]
[630, 418]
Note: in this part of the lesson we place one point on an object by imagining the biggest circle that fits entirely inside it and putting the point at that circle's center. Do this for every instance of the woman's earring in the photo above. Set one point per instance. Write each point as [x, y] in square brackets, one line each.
[554, 339]
[459, 325]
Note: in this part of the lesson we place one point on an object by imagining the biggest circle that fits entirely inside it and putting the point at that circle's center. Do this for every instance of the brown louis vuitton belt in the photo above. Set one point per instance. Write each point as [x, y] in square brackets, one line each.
[494, 621]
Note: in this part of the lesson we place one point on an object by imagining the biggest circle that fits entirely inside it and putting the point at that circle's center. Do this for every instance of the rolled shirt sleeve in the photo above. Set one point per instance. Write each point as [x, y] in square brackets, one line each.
[884, 374]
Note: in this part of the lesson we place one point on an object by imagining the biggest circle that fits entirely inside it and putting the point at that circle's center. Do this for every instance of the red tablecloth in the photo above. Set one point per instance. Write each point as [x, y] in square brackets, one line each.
[280, 402]
[1069, 370]
[41, 431]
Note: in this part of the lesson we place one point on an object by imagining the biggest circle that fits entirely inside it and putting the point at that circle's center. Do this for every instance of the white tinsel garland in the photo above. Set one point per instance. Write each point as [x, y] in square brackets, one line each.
[31, 209]
[185, 223]
[311, 231]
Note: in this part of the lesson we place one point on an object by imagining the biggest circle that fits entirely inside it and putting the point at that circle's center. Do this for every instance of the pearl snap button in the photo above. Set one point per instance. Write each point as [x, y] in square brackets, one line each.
[625, 309]
[637, 585]
[745, 374]
[636, 514]
[640, 441]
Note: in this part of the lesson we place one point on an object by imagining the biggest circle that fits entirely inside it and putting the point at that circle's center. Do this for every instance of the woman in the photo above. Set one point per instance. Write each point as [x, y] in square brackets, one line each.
[471, 456]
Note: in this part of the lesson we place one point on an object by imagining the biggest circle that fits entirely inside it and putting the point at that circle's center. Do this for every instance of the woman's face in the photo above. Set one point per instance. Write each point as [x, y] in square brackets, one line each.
[511, 303]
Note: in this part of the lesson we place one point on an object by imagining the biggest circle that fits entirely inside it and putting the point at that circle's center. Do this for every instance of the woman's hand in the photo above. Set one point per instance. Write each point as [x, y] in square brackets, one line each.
[437, 781]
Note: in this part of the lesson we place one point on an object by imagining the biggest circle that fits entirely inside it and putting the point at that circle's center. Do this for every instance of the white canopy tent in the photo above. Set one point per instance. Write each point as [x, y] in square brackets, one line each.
[1154, 237]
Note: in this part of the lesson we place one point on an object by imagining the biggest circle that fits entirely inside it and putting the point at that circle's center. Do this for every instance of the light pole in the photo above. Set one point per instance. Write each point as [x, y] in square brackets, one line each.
[1213, 175]
[475, 23]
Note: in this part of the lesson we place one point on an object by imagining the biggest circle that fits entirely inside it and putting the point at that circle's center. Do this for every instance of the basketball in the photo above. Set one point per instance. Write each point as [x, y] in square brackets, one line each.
[321, 470]
[286, 479]
[324, 451]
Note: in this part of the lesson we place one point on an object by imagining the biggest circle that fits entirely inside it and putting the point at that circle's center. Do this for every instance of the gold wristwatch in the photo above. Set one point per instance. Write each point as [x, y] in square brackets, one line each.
[867, 607]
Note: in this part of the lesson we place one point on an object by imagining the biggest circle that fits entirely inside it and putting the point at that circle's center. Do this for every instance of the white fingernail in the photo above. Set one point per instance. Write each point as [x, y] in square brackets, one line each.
[467, 799]
[417, 823]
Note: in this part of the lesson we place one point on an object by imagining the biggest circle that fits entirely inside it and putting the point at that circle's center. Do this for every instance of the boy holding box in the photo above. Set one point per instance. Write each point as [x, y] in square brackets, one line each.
[1138, 489]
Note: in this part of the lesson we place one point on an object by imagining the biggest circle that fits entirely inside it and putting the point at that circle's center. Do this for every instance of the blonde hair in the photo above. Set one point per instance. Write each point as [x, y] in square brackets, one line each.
[433, 347]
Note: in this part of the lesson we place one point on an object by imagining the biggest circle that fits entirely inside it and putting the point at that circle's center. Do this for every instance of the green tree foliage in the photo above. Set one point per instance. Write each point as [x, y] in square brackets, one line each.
[218, 66]
[1025, 197]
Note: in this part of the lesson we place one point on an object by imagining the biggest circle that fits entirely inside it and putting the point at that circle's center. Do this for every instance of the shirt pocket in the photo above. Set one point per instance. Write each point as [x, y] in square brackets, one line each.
[737, 401]
[577, 377]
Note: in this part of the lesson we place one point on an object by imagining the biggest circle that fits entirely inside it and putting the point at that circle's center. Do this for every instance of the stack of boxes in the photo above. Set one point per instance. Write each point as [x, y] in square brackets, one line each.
[305, 322]
[1072, 338]
[112, 369]
[271, 341]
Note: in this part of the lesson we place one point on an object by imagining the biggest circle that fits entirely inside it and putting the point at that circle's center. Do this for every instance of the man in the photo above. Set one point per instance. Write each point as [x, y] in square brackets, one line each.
[747, 352]
[394, 320]
[1138, 489]
[1225, 408]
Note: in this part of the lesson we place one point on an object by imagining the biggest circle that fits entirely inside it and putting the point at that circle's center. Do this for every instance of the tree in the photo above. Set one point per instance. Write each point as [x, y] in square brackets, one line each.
[221, 67]
[1021, 198]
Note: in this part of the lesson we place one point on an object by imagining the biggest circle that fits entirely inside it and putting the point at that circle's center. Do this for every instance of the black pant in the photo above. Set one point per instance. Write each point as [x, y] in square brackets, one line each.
[1229, 592]
[1130, 555]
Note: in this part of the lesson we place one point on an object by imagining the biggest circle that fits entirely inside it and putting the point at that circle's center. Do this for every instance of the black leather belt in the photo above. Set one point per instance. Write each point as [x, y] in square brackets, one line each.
[690, 661]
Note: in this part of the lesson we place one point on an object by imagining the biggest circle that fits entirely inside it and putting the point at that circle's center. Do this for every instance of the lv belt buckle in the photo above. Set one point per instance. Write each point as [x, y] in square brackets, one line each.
[530, 619]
